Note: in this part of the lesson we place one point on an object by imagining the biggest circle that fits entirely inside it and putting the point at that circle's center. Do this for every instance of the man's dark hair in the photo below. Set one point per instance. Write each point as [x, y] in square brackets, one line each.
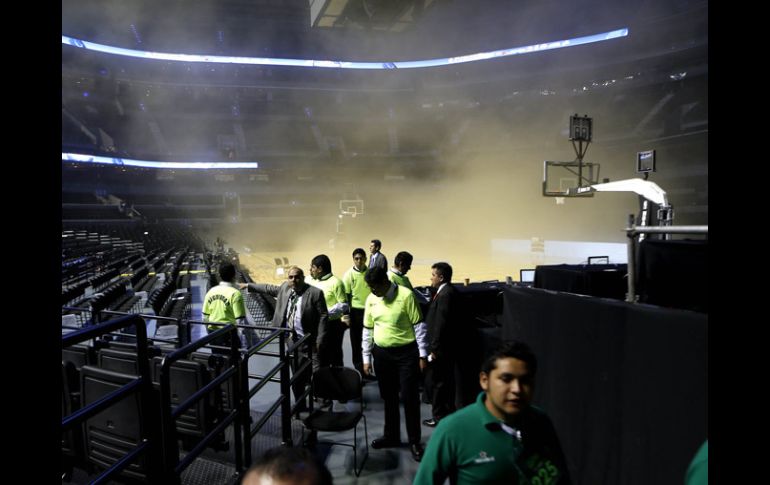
[376, 276]
[322, 261]
[377, 243]
[359, 251]
[403, 257]
[291, 464]
[227, 272]
[517, 350]
[445, 270]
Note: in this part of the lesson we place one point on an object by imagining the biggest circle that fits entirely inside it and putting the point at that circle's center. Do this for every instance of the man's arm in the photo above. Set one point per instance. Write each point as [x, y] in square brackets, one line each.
[239, 309]
[439, 326]
[340, 306]
[437, 461]
[367, 339]
[319, 302]
[268, 289]
[415, 316]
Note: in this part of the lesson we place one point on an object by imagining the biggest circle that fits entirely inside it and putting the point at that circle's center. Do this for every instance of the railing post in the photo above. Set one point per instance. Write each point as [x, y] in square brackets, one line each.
[235, 361]
[245, 410]
[183, 332]
[631, 233]
[285, 392]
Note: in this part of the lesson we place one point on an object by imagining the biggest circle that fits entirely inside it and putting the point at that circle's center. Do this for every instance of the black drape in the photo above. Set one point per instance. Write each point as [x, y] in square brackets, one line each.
[625, 384]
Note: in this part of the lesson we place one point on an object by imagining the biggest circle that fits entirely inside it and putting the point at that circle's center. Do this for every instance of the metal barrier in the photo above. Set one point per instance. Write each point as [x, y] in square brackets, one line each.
[172, 466]
[142, 384]
[182, 324]
[239, 416]
[284, 399]
[633, 230]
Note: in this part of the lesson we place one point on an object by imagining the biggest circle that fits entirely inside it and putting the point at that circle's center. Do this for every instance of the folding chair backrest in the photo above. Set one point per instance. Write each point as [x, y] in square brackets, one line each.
[338, 383]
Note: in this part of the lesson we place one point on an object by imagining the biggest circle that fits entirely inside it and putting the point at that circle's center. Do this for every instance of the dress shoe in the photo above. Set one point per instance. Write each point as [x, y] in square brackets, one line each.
[384, 442]
[417, 451]
[432, 422]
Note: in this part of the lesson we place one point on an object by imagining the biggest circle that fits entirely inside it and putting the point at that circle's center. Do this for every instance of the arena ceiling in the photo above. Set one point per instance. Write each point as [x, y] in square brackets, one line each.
[284, 117]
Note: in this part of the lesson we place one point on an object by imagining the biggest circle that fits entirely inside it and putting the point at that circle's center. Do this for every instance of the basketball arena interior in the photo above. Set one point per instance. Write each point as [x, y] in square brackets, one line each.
[554, 153]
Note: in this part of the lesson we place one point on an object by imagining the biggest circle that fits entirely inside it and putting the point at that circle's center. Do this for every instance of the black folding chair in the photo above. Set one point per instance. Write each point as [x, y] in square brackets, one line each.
[340, 384]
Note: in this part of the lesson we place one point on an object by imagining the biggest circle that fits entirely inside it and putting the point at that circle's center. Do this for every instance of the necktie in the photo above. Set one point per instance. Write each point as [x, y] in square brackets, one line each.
[292, 309]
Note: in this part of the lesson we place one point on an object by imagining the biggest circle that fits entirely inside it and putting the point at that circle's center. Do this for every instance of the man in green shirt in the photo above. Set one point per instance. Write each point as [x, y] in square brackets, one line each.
[501, 438]
[224, 303]
[337, 303]
[402, 263]
[393, 323]
[698, 471]
[357, 291]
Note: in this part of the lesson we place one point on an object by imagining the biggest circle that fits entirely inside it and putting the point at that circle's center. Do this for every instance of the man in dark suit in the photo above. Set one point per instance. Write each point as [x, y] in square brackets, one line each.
[377, 259]
[302, 308]
[442, 323]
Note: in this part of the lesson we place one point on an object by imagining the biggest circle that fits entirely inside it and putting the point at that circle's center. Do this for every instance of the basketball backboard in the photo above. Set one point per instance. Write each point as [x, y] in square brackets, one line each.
[560, 177]
[351, 207]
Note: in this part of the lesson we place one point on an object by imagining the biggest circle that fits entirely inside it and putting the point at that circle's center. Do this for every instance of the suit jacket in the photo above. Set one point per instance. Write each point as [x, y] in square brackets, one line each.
[312, 308]
[443, 322]
[381, 262]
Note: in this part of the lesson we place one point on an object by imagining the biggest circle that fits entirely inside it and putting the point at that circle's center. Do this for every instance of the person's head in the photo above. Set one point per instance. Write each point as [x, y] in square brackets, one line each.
[296, 277]
[359, 258]
[374, 246]
[508, 379]
[288, 466]
[227, 272]
[377, 280]
[403, 262]
[440, 273]
[320, 265]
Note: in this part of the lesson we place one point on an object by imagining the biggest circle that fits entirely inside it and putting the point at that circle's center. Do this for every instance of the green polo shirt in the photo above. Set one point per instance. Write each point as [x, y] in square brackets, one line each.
[356, 287]
[334, 291]
[399, 279]
[470, 447]
[223, 304]
[698, 471]
[393, 321]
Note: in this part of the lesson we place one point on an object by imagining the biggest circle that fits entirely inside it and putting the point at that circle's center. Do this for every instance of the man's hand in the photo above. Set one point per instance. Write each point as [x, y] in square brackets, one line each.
[367, 369]
[243, 285]
[423, 363]
[346, 320]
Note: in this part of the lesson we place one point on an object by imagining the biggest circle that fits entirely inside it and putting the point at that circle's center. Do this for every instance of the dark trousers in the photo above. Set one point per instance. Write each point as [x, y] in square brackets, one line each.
[298, 386]
[398, 369]
[224, 341]
[440, 382]
[331, 354]
[356, 330]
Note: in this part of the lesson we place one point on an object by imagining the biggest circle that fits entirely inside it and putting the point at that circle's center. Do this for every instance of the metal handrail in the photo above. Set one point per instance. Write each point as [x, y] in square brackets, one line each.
[633, 230]
[141, 384]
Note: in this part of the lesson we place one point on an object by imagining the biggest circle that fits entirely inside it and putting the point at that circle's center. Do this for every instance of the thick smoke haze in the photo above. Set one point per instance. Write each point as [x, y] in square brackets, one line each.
[455, 219]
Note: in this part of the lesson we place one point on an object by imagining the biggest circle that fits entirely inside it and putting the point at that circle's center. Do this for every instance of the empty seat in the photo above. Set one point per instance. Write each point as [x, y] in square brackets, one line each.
[185, 378]
[341, 384]
[72, 440]
[115, 431]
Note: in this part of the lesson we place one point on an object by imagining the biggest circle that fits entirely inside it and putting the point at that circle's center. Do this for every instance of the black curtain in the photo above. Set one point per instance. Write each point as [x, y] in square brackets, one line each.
[626, 385]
